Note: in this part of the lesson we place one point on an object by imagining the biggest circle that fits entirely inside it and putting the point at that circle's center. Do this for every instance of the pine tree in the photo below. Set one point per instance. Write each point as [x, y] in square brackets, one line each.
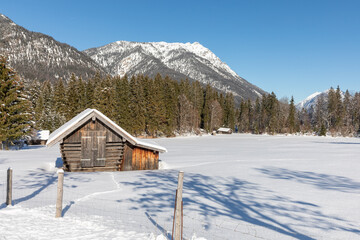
[82, 104]
[72, 98]
[339, 109]
[59, 97]
[90, 89]
[152, 110]
[160, 106]
[257, 117]
[320, 115]
[348, 110]
[229, 111]
[206, 110]
[170, 94]
[331, 108]
[137, 105]
[14, 107]
[122, 102]
[291, 116]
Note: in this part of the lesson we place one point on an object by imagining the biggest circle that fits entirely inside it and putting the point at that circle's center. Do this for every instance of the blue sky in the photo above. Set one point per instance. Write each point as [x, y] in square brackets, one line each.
[291, 47]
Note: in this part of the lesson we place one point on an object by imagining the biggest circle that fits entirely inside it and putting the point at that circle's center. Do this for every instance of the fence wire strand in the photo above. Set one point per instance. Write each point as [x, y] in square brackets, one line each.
[79, 207]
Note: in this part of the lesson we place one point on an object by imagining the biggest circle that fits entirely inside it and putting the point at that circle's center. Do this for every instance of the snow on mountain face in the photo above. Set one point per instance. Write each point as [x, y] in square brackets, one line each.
[38, 56]
[310, 102]
[177, 60]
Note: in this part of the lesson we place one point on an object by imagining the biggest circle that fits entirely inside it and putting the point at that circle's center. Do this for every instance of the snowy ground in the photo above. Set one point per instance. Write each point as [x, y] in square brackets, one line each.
[235, 187]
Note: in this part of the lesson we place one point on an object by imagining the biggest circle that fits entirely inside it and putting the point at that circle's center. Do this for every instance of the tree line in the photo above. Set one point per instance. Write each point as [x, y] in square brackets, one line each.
[161, 106]
[336, 113]
[164, 107]
[158, 106]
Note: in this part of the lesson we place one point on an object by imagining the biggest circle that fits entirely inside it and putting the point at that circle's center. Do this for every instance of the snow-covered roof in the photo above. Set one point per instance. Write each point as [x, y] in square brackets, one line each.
[42, 135]
[224, 130]
[87, 114]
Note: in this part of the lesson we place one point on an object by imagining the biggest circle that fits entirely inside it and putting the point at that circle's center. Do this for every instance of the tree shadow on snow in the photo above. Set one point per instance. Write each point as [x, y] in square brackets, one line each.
[321, 181]
[344, 143]
[239, 200]
[36, 179]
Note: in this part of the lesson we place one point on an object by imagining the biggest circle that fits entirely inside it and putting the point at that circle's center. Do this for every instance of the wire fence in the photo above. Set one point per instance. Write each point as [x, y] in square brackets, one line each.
[80, 206]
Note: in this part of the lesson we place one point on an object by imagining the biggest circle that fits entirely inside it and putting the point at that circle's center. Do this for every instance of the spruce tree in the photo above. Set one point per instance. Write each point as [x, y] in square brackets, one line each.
[206, 111]
[170, 94]
[339, 109]
[137, 105]
[72, 98]
[331, 108]
[14, 107]
[59, 97]
[291, 116]
[229, 111]
[122, 102]
[257, 117]
[348, 110]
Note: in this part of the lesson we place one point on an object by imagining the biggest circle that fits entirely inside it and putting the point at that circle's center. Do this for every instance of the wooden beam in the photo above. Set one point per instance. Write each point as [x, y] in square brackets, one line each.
[9, 187]
[59, 198]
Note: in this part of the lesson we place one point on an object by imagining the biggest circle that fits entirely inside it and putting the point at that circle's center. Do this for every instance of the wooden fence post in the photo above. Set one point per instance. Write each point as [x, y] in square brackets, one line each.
[178, 211]
[59, 198]
[9, 187]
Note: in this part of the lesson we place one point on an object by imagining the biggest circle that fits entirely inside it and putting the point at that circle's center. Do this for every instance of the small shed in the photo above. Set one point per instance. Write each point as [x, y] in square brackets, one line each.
[39, 137]
[92, 142]
[224, 130]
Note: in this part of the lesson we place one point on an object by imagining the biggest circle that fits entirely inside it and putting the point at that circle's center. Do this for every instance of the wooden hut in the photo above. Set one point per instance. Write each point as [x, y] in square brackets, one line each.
[224, 130]
[92, 142]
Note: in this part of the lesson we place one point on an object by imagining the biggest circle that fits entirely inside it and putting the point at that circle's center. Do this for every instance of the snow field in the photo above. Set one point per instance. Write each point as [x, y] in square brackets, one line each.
[235, 187]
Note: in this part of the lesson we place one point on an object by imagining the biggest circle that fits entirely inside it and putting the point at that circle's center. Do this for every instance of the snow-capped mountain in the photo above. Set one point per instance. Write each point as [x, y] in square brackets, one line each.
[177, 60]
[38, 56]
[310, 102]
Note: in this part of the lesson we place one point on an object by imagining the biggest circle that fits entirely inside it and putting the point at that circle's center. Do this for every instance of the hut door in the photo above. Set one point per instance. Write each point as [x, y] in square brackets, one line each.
[100, 142]
[93, 147]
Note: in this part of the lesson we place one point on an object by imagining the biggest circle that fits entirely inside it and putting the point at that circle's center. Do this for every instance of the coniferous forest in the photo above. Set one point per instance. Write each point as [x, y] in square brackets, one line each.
[164, 107]
[161, 106]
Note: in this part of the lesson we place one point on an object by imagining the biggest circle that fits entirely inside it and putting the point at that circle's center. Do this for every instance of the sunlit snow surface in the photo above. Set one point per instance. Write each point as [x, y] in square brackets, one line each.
[235, 187]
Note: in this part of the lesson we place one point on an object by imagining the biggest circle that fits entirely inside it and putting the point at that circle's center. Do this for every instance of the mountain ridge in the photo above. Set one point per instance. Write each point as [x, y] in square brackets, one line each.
[178, 60]
[37, 56]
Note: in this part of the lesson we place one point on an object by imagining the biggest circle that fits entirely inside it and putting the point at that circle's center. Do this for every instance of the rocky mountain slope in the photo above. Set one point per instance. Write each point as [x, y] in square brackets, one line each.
[177, 60]
[38, 56]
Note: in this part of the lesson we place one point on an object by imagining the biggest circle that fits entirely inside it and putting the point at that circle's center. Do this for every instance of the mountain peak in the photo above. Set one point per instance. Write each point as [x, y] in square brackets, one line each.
[177, 60]
[5, 19]
[310, 102]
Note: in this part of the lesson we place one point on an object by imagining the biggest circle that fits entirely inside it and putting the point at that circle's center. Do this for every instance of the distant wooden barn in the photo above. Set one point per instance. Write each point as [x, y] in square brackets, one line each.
[224, 130]
[92, 142]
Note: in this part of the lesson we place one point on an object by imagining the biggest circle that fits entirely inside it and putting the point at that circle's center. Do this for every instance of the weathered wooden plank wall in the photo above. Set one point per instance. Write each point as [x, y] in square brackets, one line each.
[108, 156]
[144, 159]
[95, 147]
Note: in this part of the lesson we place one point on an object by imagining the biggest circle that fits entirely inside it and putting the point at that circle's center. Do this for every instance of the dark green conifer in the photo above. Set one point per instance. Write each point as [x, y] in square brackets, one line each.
[291, 116]
[137, 105]
[14, 107]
